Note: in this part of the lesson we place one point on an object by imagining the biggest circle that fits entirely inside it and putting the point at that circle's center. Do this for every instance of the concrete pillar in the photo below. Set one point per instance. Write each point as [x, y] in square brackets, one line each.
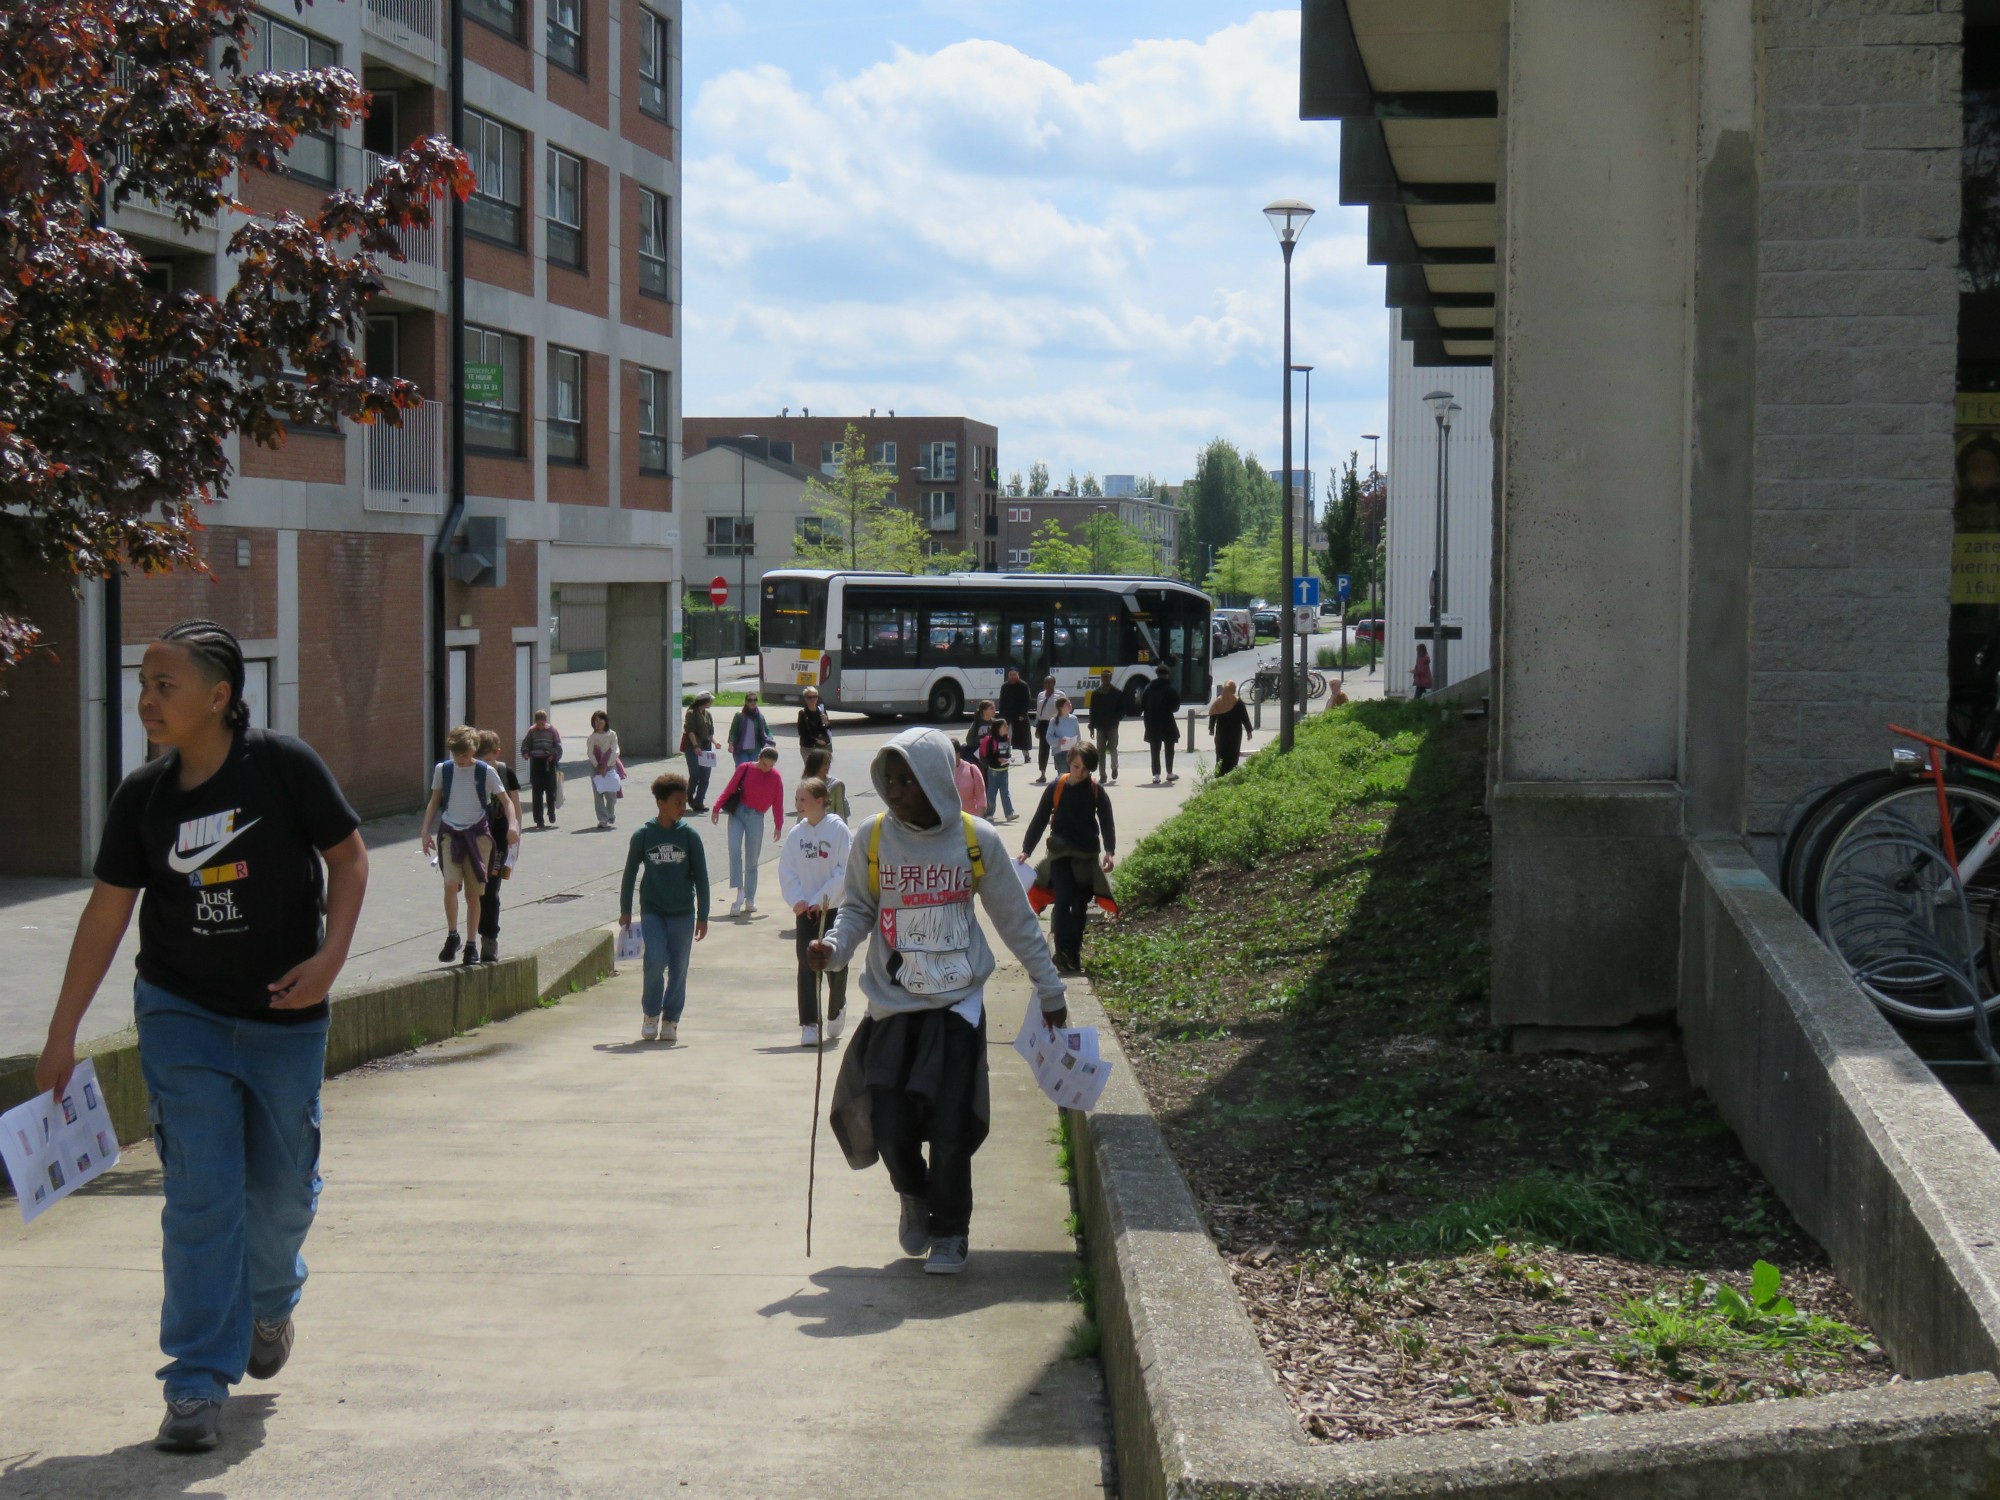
[1596, 257]
[639, 668]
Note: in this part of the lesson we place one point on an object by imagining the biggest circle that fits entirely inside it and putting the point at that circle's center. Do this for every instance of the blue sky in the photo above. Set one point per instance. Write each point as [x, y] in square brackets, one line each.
[1047, 216]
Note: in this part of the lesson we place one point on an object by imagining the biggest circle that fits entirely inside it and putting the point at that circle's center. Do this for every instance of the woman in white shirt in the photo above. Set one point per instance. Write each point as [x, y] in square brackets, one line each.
[606, 769]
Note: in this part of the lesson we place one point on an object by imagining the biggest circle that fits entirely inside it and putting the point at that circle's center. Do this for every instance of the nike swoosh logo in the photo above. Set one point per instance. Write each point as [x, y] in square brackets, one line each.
[187, 864]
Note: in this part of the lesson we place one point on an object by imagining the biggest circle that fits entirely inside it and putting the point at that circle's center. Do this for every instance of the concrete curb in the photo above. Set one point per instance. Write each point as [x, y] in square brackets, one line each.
[377, 1021]
[1197, 1414]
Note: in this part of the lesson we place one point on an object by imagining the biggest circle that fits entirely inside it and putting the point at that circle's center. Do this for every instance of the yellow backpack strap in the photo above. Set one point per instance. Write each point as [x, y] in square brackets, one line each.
[875, 859]
[972, 850]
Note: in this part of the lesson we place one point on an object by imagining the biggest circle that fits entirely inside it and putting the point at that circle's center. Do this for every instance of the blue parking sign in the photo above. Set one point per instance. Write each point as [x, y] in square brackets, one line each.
[1343, 585]
[1305, 592]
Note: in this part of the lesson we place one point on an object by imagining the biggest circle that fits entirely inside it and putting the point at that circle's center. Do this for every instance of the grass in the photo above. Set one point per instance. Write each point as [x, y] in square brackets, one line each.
[727, 698]
[1544, 1209]
[1344, 658]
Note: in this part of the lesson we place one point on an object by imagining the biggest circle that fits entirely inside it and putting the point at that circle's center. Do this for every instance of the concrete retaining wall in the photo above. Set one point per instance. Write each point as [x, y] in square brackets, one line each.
[367, 1023]
[1869, 1151]
[1197, 1414]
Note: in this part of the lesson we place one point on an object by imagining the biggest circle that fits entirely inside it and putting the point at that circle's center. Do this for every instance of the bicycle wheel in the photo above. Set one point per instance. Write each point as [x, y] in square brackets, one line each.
[1880, 865]
[1805, 840]
[1316, 684]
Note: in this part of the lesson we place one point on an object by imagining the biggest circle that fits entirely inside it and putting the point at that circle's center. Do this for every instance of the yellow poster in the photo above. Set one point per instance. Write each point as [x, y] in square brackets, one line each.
[1975, 567]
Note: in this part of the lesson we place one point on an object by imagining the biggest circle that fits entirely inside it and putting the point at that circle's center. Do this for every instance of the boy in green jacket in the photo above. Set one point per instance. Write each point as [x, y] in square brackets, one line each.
[673, 904]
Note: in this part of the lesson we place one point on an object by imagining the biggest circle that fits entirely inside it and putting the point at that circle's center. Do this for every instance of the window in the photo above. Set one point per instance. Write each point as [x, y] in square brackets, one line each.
[278, 48]
[652, 243]
[882, 455]
[829, 458]
[653, 64]
[565, 246]
[731, 536]
[494, 209]
[492, 365]
[814, 531]
[940, 510]
[653, 392]
[566, 34]
[940, 460]
[962, 635]
[1017, 557]
[565, 406]
[781, 450]
[881, 635]
[503, 16]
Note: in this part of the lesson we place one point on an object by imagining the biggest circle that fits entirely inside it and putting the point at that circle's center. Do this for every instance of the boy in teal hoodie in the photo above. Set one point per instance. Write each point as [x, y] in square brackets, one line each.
[673, 904]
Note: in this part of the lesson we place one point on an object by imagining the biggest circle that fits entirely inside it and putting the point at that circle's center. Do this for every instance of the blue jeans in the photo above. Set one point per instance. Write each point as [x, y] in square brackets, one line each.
[235, 1112]
[669, 940]
[698, 775]
[996, 788]
[746, 842]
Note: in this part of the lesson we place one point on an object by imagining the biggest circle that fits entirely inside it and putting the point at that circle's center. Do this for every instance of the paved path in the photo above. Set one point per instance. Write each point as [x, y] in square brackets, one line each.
[553, 1261]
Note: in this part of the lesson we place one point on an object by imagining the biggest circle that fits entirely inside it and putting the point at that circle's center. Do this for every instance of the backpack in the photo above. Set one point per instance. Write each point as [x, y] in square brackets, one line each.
[478, 782]
[875, 855]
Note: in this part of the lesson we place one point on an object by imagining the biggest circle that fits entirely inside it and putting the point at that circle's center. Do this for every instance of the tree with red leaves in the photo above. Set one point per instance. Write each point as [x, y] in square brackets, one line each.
[116, 399]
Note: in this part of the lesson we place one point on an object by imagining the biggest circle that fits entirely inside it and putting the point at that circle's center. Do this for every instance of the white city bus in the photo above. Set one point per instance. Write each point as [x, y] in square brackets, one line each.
[891, 643]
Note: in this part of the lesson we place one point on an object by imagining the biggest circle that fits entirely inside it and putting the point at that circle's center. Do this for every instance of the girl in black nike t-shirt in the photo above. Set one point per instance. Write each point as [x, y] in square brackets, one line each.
[240, 938]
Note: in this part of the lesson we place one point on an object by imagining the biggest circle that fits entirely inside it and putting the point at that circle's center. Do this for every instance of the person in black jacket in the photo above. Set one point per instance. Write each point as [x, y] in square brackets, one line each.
[1014, 705]
[815, 725]
[1107, 711]
[1075, 811]
[1229, 726]
[1159, 705]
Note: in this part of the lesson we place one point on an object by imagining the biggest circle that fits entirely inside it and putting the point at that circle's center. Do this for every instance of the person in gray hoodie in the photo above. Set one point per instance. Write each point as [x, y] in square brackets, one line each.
[915, 1070]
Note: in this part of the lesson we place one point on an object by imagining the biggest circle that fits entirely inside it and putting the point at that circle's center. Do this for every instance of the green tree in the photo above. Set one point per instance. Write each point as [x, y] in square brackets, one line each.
[1069, 486]
[1038, 478]
[900, 543]
[118, 400]
[1014, 485]
[1051, 551]
[1091, 487]
[1214, 495]
[1114, 546]
[1246, 569]
[857, 524]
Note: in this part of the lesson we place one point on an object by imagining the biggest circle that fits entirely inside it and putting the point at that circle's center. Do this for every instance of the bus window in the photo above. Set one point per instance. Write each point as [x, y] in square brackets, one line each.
[948, 637]
[1028, 647]
[794, 613]
[1083, 638]
[881, 635]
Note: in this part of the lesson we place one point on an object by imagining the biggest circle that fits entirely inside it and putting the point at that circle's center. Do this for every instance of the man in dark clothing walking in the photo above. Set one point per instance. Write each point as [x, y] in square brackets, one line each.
[1163, 732]
[1014, 705]
[1107, 711]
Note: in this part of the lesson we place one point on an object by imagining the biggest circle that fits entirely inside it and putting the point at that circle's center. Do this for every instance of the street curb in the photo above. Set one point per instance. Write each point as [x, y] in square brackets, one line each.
[376, 1021]
[1198, 1415]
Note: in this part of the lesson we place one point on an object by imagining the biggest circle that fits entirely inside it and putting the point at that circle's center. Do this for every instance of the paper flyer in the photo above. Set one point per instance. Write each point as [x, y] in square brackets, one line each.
[54, 1146]
[1065, 1063]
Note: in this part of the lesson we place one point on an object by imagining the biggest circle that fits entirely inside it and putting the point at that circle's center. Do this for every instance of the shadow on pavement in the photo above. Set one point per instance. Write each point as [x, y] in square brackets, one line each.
[138, 1471]
[855, 1301]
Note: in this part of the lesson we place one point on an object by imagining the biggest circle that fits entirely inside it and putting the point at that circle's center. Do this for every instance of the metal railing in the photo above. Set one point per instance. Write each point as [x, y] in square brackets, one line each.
[406, 464]
[423, 249]
[412, 24]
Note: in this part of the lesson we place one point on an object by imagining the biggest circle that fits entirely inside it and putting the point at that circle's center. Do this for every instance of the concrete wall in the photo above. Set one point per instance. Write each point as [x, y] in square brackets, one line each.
[1595, 259]
[639, 666]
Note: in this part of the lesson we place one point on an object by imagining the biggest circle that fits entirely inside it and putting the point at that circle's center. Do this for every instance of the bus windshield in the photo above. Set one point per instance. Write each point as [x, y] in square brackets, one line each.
[794, 613]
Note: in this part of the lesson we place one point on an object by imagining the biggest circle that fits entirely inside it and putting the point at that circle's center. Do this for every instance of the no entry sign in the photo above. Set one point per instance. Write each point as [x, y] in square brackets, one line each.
[718, 591]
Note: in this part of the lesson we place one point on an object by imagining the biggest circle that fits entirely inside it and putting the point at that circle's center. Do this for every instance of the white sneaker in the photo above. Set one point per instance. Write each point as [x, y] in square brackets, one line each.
[670, 1032]
[736, 907]
[835, 1025]
[808, 1036]
[749, 907]
[649, 1029]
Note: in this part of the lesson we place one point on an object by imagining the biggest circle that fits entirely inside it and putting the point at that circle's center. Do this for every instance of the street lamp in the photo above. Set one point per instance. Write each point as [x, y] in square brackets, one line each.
[1375, 462]
[1305, 542]
[1288, 219]
[743, 442]
[1443, 408]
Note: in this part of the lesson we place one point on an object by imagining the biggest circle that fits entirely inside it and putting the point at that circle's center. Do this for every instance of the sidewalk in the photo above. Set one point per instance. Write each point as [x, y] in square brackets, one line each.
[554, 1261]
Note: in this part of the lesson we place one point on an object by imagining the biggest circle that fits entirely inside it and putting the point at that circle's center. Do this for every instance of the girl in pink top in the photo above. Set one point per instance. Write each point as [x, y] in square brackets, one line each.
[971, 783]
[753, 790]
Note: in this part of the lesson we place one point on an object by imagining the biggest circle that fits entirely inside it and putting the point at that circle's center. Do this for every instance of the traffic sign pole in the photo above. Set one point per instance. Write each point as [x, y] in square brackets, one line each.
[718, 595]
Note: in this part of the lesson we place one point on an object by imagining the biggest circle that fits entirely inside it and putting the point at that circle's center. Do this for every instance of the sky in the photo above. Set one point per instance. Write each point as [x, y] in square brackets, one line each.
[1047, 216]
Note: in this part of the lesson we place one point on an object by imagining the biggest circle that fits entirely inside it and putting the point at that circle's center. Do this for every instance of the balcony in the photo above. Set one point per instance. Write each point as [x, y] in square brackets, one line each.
[406, 464]
[410, 26]
[423, 264]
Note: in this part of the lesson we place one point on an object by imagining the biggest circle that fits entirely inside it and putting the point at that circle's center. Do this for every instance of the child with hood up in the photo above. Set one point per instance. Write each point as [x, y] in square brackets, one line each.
[915, 1072]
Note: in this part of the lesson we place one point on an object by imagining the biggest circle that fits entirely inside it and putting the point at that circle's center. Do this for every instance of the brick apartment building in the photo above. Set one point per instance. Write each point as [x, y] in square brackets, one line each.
[1154, 517]
[319, 559]
[947, 468]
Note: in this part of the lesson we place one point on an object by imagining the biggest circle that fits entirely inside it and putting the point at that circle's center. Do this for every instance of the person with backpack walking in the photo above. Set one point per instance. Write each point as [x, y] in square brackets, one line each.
[815, 724]
[541, 748]
[462, 789]
[1015, 703]
[223, 833]
[1045, 712]
[607, 769]
[1080, 836]
[503, 811]
[971, 779]
[1106, 707]
[748, 733]
[753, 791]
[812, 874]
[915, 1073]
[698, 745]
[1229, 726]
[1163, 731]
[673, 906]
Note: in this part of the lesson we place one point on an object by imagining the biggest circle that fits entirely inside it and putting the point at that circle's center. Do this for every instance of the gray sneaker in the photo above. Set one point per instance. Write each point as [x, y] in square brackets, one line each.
[270, 1347]
[948, 1255]
[193, 1425]
[913, 1229]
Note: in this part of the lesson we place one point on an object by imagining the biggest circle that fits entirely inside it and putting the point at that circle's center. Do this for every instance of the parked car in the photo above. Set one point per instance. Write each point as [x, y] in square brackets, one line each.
[1329, 607]
[1368, 630]
[1267, 621]
[1237, 622]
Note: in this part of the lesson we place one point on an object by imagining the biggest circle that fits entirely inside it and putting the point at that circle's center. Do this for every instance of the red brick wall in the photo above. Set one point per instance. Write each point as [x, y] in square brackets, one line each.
[640, 311]
[585, 290]
[309, 455]
[590, 482]
[637, 491]
[500, 265]
[243, 599]
[423, 337]
[361, 666]
[502, 54]
[633, 123]
[271, 193]
[495, 614]
[41, 828]
[590, 95]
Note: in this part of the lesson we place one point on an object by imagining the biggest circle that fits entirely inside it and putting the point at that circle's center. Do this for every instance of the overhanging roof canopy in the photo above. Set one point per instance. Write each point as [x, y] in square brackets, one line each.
[1415, 85]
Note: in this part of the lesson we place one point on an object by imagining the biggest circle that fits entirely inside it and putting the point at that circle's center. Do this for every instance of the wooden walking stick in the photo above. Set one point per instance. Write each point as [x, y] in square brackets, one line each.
[819, 1069]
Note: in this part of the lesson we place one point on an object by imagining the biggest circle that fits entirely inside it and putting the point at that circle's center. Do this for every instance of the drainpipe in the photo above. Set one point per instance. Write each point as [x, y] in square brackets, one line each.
[455, 510]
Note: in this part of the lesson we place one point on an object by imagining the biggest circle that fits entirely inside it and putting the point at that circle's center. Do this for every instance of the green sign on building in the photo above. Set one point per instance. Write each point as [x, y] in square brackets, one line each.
[482, 383]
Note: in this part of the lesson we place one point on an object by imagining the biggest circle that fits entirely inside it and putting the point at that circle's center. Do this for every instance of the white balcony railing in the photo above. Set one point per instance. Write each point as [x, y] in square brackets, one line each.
[409, 24]
[423, 249]
[406, 464]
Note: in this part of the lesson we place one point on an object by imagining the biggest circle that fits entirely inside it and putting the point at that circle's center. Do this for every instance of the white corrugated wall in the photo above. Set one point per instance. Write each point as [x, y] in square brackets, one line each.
[1411, 458]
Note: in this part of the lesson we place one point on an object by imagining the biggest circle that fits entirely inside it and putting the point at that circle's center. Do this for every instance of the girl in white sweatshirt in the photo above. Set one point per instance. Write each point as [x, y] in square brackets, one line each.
[812, 873]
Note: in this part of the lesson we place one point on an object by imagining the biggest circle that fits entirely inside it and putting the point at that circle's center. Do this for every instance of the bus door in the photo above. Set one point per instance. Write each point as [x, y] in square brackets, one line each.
[1084, 643]
[879, 653]
[1028, 648]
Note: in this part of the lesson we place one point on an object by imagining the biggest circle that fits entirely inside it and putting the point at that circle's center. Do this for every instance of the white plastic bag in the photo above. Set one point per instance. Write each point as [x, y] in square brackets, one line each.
[631, 945]
[1025, 873]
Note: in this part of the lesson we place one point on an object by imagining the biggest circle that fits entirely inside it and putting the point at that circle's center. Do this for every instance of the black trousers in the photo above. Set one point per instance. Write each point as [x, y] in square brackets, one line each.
[904, 1122]
[836, 979]
[489, 899]
[1158, 746]
[1018, 728]
[542, 789]
[1072, 902]
[698, 775]
[1042, 747]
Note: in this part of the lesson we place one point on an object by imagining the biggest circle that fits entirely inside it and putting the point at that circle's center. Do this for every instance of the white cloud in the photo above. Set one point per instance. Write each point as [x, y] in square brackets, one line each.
[1080, 259]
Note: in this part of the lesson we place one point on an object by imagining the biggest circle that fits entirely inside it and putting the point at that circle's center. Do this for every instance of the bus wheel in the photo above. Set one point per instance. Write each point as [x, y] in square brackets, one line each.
[946, 703]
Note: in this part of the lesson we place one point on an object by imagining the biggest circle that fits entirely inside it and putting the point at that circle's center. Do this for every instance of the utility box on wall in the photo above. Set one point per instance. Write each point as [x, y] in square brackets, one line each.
[479, 556]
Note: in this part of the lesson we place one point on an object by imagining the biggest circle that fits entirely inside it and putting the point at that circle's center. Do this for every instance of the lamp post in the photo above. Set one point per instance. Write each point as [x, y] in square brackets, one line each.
[1305, 542]
[1288, 219]
[1443, 408]
[743, 443]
